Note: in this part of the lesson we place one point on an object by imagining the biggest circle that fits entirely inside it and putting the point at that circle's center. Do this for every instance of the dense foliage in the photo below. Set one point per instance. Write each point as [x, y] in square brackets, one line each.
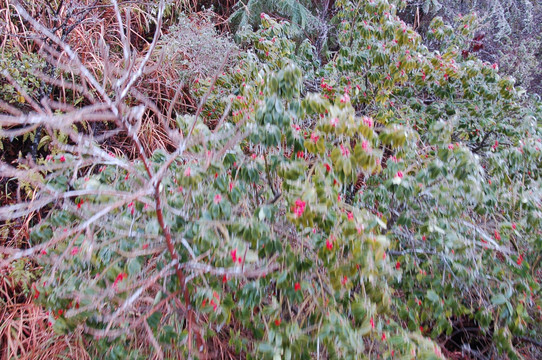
[372, 203]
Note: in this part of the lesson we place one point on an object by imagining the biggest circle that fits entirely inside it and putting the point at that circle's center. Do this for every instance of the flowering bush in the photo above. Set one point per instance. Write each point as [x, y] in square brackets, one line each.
[368, 218]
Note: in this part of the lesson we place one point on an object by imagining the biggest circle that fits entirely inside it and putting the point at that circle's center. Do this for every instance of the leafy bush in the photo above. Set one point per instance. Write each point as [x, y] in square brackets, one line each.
[368, 218]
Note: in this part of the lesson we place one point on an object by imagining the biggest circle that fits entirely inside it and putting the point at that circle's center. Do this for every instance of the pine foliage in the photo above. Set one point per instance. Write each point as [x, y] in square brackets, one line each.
[299, 12]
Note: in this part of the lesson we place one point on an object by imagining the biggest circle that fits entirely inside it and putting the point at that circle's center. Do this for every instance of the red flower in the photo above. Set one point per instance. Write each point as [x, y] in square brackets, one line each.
[514, 226]
[277, 322]
[299, 207]
[350, 216]
[297, 286]
[224, 279]
[424, 238]
[328, 168]
[329, 244]
[314, 138]
[399, 174]
[344, 280]
[37, 293]
[398, 265]
[62, 158]
[75, 250]
[119, 278]
[421, 328]
[497, 235]
[372, 323]
[383, 337]
[234, 255]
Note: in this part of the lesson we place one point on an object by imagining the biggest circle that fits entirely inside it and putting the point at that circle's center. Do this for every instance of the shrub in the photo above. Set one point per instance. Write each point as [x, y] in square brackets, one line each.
[369, 218]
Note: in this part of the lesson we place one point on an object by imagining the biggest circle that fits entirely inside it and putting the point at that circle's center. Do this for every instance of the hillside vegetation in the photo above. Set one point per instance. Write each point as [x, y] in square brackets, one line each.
[264, 179]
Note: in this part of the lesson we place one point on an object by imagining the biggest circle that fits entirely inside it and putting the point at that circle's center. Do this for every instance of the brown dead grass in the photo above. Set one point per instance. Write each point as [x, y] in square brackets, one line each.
[24, 328]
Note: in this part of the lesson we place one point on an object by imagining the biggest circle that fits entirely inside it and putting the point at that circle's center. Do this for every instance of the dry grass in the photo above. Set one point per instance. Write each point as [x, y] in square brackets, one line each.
[24, 329]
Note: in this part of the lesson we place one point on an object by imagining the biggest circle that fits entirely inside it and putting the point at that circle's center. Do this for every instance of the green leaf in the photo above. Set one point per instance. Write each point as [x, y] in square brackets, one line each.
[498, 299]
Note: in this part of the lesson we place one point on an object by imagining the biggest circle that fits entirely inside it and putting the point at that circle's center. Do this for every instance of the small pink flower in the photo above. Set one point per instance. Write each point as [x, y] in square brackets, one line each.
[514, 226]
[334, 121]
[345, 151]
[497, 235]
[299, 207]
[345, 98]
[451, 146]
[365, 145]
[233, 254]
[75, 250]
[62, 158]
[217, 199]
[344, 280]
[187, 172]
[329, 244]
[350, 216]
[372, 323]
[367, 121]
[314, 138]
[399, 174]
[262, 16]
[231, 186]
